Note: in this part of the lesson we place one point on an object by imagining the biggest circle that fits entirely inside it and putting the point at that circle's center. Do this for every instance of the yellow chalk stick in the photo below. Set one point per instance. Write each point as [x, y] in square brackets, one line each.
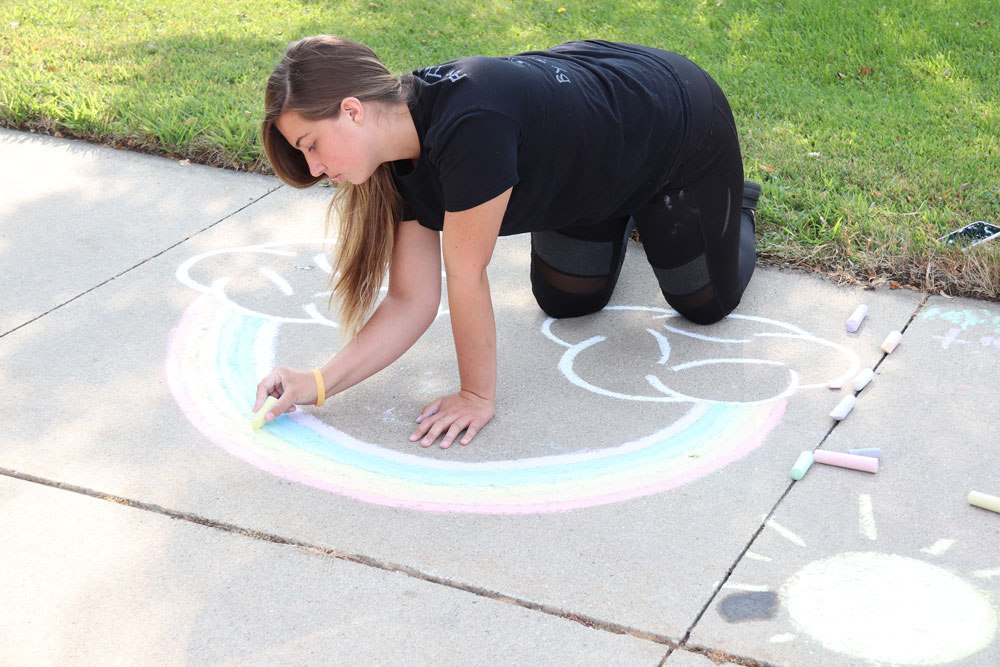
[258, 417]
[987, 502]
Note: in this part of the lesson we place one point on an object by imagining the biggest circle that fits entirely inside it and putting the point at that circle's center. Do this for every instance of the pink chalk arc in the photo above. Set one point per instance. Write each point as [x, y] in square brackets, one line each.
[215, 352]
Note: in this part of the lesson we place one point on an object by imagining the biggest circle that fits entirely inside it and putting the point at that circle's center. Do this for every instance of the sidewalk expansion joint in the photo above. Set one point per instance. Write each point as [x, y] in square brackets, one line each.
[714, 653]
[717, 656]
[359, 559]
[148, 259]
[745, 661]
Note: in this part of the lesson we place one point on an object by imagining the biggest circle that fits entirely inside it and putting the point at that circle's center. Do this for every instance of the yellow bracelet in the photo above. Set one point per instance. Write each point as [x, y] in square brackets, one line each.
[320, 389]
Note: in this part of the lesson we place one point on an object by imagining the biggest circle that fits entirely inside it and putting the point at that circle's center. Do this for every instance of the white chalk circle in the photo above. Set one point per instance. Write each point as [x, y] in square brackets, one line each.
[889, 608]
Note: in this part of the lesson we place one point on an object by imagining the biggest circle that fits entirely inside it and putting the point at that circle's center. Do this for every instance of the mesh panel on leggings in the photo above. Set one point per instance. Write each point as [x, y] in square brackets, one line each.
[573, 257]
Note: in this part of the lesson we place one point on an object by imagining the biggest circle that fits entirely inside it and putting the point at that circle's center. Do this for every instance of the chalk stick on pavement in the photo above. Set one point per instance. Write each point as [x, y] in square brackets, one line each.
[862, 379]
[891, 341]
[258, 417]
[844, 407]
[874, 452]
[856, 318]
[802, 465]
[987, 502]
[841, 460]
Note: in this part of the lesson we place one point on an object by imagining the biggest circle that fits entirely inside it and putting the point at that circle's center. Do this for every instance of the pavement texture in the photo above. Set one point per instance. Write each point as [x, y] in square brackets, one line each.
[629, 504]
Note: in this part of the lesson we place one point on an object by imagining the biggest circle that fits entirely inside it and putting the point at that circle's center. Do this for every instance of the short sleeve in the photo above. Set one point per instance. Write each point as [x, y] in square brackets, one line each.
[477, 159]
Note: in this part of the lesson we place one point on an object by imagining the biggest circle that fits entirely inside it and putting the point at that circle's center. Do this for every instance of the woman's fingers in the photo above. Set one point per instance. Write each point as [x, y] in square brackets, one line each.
[429, 411]
[269, 386]
[456, 428]
[286, 403]
[449, 417]
[289, 386]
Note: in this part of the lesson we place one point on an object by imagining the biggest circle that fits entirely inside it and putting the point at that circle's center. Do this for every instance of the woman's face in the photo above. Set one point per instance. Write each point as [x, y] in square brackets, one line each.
[339, 148]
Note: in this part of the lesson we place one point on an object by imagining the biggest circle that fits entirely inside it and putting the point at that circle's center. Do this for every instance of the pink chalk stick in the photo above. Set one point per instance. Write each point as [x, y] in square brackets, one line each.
[852, 461]
[891, 341]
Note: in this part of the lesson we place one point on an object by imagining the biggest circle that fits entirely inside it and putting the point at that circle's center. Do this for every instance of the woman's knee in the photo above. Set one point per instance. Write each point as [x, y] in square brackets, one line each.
[703, 306]
[561, 304]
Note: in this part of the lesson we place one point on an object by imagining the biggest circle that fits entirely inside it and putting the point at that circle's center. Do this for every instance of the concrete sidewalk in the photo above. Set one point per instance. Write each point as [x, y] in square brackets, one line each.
[630, 503]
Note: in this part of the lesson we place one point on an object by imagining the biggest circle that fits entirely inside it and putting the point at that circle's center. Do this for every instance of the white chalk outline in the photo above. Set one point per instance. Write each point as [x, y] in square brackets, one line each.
[669, 395]
[218, 287]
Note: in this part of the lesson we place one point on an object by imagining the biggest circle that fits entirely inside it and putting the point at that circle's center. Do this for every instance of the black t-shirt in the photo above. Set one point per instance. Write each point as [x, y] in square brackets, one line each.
[584, 132]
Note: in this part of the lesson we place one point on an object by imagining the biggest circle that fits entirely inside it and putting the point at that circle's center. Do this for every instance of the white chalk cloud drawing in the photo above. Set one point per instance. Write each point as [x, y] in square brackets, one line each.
[686, 355]
[282, 275]
[243, 277]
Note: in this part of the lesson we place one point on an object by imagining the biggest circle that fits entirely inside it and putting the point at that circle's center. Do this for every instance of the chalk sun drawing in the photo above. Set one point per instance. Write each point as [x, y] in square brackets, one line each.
[870, 605]
[224, 343]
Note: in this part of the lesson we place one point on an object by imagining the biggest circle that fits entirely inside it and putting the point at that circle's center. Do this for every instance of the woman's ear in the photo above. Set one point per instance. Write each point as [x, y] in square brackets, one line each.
[353, 107]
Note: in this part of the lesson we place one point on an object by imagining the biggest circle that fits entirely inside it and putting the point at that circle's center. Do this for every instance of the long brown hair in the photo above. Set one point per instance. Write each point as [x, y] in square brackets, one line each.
[312, 79]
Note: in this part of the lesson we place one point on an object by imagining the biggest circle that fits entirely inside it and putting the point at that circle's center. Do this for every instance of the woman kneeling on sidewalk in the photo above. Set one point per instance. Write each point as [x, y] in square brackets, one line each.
[575, 145]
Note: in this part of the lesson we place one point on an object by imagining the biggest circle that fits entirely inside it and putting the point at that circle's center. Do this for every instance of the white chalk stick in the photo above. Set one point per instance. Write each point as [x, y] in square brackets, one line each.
[836, 383]
[856, 318]
[986, 501]
[844, 407]
[258, 417]
[862, 379]
[863, 463]
[891, 341]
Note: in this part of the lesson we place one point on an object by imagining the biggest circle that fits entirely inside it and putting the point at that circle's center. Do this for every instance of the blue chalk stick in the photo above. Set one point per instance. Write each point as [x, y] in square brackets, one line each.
[873, 452]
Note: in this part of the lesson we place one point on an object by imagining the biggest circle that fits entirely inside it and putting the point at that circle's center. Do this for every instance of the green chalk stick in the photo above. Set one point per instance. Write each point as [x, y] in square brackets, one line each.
[802, 464]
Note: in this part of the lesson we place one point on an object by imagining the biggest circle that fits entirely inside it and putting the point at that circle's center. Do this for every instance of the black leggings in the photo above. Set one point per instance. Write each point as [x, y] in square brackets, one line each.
[697, 239]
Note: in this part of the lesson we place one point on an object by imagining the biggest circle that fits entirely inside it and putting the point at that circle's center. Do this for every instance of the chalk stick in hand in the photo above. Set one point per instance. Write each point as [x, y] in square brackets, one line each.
[258, 417]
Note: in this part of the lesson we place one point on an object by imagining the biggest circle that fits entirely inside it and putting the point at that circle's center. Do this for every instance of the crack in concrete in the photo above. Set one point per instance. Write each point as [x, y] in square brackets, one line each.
[135, 266]
[719, 657]
[716, 655]
[683, 645]
[360, 559]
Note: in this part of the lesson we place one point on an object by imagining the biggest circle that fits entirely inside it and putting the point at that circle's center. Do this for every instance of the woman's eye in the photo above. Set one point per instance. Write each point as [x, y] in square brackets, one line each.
[311, 147]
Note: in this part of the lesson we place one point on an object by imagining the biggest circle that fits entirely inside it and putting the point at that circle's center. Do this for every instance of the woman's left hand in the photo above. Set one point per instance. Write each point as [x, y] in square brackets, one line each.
[451, 415]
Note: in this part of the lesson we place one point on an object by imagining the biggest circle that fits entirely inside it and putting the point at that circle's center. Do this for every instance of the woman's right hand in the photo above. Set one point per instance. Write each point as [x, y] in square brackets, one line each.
[290, 386]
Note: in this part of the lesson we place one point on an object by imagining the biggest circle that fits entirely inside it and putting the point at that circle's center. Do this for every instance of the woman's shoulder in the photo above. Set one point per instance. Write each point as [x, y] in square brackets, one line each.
[473, 86]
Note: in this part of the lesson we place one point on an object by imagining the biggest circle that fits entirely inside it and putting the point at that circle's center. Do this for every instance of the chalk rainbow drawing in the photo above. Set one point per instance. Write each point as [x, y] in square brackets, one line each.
[220, 349]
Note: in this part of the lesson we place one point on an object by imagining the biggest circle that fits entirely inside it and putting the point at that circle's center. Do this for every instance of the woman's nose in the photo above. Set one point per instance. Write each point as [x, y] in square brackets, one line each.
[316, 168]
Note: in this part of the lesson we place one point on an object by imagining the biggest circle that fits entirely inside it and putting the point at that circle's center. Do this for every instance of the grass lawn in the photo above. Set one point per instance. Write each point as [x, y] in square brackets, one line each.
[874, 126]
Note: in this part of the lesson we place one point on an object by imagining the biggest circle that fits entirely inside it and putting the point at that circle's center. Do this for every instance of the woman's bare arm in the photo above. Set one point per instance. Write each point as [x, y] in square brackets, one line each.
[408, 308]
[468, 241]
